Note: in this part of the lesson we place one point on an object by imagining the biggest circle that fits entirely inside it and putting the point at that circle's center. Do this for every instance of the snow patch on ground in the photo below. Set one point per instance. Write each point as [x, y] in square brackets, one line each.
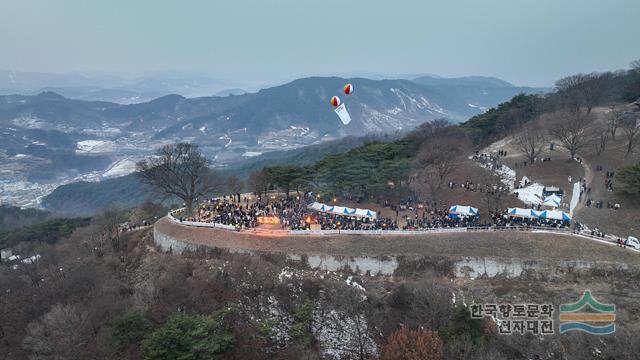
[353, 283]
[120, 168]
[498, 145]
[94, 146]
[251, 153]
[531, 195]
[507, 174]
[31, 259]
[285, 273]
[481, 108]
[337, 332]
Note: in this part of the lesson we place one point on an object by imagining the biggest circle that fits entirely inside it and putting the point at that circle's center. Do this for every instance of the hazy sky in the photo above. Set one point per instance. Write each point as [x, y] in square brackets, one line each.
[528, 42]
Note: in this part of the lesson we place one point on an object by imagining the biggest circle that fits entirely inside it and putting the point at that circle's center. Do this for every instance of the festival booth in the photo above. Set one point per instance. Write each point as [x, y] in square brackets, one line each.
[316, 206]
[462, 211]
[552, 190]
[552, 200]
[555, 215]
[342, 210]
[365, 213]
[522, 213]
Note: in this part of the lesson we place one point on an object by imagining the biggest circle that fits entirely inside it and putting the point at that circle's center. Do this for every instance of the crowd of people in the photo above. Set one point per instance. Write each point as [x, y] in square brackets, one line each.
[440, 218]
[608, 185]
[294, 214]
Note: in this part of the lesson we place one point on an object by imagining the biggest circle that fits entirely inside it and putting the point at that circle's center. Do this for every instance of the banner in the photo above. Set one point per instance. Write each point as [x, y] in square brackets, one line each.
[343, 114]
[575, 198]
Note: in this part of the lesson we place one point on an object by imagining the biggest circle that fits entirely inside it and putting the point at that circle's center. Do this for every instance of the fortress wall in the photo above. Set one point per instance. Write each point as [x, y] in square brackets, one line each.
[456, 265]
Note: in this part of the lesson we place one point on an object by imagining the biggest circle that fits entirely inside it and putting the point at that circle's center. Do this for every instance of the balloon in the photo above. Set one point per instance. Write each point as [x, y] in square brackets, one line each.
[335, 101]
[348, 89]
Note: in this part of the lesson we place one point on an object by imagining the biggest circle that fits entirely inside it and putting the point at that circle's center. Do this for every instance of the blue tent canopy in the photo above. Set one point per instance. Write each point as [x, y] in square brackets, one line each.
[463, 210]
[523, 213]
[552, 200]
[343, 210]
[555, 215]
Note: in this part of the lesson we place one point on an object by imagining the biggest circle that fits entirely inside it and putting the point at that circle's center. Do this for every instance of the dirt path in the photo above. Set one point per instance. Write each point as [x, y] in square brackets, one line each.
[589, 176]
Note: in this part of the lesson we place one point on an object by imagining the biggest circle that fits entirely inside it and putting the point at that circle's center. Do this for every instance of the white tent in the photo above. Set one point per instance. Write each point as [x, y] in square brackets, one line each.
[552, 200]
[342, 210]
[365, 213]
[316, 206]
[463, 210]
[522, 213]
[555, 215]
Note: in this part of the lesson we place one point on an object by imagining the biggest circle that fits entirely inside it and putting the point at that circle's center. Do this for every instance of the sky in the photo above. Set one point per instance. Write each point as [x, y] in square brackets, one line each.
[527, 42]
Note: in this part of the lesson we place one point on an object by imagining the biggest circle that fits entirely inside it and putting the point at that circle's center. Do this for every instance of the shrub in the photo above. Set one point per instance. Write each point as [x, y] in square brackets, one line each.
[129, 329]
[300, 330]
[189, 337]
[407, 344]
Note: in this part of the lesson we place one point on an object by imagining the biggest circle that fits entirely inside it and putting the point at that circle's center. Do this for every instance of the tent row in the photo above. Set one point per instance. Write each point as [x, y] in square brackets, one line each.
[533, 214]
[341, 210]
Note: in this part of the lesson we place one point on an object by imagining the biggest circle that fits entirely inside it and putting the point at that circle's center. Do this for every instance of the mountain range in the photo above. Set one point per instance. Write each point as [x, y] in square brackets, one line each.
[51, 138]
[119, 88]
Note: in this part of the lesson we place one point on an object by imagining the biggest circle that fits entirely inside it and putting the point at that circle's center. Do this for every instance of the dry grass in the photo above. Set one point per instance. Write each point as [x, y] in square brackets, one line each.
[623, 222]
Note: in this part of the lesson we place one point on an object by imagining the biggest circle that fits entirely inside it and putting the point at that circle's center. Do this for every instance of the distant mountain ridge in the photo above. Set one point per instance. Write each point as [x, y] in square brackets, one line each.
[376, 106]
[479, 93]
[121, 89]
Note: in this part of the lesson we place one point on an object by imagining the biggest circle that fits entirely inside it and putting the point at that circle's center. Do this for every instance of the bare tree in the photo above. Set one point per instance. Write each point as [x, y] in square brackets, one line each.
[530, 141]
[583, 90]
[635, 65]
[438, 157]
[108, 229]
[352, 307]
[259, 182]
[178, 170]
[494, 189]
[421, 303]
[147, 211]
[571, 129]
[408, 344]
[62, 333]
[428, 183]
[567, 88]
[600, 138]
[630, 129]
[614, 117]
[234, 185]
